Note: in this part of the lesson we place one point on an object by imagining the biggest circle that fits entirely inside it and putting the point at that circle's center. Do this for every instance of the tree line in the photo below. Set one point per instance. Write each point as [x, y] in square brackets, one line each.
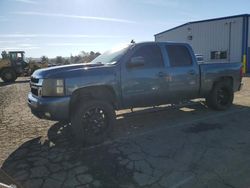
[83, 57]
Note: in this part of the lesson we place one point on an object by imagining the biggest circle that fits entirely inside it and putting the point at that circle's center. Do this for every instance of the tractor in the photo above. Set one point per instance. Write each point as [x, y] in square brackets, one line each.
[12, 65]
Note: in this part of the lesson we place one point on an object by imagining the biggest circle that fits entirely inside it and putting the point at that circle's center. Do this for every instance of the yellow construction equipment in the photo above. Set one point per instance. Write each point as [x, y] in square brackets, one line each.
[13, 65]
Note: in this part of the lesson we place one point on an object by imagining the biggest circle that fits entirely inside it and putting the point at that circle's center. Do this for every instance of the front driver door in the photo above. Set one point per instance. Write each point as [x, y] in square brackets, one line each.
[141, 85]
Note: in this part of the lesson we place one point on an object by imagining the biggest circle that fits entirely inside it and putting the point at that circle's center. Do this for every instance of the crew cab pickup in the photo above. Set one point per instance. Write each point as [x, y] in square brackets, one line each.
[137, 75]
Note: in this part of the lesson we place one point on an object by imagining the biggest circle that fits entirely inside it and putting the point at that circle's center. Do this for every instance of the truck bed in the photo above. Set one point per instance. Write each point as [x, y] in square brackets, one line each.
[210, 72]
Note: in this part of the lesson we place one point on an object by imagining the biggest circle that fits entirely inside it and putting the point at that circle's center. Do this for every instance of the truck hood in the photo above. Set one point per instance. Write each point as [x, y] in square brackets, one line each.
[64, 70]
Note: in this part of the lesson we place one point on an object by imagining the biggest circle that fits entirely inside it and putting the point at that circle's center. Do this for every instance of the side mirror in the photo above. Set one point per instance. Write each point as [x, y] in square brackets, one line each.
[136, 62]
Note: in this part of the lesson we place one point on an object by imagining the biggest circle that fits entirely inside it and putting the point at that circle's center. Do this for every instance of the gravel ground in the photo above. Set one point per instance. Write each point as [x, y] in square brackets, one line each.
[188, 146]
[17, 124]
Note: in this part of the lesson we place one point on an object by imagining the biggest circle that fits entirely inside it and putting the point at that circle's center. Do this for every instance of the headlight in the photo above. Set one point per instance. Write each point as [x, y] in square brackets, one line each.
[53, 87]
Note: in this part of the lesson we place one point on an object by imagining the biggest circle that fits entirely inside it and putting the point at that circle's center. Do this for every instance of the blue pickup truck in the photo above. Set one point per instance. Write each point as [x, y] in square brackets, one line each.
[137, 75]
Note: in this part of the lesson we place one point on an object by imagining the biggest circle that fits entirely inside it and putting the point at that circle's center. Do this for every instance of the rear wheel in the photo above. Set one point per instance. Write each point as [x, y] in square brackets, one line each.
[221, 97]
[92, 121]
[8, 75]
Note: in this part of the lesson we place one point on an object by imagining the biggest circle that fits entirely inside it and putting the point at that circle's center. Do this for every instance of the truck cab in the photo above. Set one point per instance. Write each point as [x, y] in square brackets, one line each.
[152, 76]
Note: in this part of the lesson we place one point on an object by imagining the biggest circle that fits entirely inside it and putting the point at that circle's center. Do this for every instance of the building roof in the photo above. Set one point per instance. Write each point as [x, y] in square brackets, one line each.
[208, 20]
[16, 52]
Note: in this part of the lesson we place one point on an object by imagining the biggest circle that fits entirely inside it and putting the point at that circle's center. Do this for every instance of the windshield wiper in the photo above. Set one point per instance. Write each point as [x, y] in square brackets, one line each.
[99, 63]
[93, 64]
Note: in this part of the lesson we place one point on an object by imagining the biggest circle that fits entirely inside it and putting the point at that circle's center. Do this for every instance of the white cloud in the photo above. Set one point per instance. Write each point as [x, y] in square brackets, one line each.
[26, 1]
[19, 48]
[165, 3]
[57, 36]
[26, 45]
[73, 44]
[8, 41]
[74, 16]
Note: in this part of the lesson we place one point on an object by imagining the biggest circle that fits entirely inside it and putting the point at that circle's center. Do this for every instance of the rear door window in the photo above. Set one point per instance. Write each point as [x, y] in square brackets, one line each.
[179, 55]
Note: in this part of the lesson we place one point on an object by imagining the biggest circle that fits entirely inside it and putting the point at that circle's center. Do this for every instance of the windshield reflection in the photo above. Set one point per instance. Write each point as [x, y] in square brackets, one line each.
[111, 56]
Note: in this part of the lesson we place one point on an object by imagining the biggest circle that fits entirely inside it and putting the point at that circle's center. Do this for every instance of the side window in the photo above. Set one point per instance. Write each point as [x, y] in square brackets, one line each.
[178, 56]
[219, 55]
[13, 56]
[19, 55]
[151, 55]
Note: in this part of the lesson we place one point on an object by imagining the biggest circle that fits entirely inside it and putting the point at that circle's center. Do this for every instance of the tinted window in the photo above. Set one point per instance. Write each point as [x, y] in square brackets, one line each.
[178, 55]
[151, 54]
[13, 56]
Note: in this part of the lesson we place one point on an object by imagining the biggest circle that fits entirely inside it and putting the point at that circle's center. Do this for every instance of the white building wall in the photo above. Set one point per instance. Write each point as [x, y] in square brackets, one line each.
[209, 36]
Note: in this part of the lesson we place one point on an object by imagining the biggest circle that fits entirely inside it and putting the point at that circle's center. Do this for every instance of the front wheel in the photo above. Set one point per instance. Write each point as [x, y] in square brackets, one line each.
[92, 121]
[8, 75]
[221, 97]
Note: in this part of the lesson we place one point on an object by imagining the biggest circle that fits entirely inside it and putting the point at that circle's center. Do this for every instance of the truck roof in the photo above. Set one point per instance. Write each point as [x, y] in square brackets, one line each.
[168, 42]
[161, 43]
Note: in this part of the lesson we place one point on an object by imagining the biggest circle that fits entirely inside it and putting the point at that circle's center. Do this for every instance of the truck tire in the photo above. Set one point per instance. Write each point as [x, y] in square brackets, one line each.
[8, 75]
[221, 97]
[92, 121]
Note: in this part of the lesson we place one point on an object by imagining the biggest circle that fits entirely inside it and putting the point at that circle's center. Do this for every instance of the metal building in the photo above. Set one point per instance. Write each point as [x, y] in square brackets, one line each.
[224, 39]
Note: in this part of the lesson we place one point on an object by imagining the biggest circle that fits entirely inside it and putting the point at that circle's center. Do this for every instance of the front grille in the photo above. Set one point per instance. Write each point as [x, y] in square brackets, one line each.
[34, 80]
[35, 86]
[34, 91]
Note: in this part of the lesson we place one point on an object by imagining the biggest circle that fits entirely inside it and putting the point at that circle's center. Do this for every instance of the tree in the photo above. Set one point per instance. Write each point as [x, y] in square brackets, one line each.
[44, 59]
[97, 54]
[4, 55]
[83, 53]
[78, 59]
[59, 60]
[66, 62]
[90, 56]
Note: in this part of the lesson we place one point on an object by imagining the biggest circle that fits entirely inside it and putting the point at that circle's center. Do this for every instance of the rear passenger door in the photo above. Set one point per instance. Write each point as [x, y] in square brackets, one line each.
[142, 85]
[183, 72]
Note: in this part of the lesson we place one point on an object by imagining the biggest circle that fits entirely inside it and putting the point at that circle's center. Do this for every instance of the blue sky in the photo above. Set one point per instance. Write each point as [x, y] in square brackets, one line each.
[64, 27]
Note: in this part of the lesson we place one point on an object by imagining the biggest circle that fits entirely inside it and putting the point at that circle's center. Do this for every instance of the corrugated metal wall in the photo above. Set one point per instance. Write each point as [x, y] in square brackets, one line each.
[210, 36]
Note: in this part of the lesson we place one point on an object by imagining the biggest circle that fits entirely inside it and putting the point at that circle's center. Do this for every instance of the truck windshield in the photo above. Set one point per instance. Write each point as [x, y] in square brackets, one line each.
[110, 56]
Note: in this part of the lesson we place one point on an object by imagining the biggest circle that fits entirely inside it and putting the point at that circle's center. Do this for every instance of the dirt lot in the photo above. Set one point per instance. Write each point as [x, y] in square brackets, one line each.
[164, 147]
